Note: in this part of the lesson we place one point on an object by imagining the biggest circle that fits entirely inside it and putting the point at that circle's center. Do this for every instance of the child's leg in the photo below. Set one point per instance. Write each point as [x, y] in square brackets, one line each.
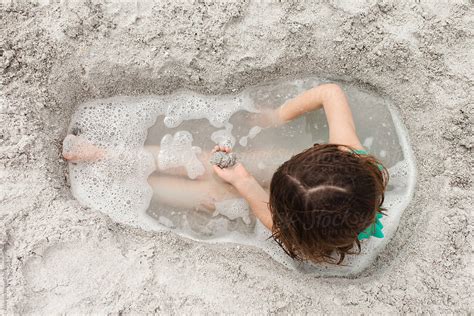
[190, 194]
[76, 148]
[262, 164]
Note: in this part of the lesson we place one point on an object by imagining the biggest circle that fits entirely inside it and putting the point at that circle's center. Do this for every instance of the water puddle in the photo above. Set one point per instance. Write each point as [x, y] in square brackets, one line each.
[177, 132]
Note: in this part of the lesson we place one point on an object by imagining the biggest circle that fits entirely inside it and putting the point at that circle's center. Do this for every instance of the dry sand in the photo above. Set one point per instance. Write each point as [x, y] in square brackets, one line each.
[59, 257]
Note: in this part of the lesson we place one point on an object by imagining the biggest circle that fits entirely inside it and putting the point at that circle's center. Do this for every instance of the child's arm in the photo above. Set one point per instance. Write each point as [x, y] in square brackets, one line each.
[249, 189]
[256, 197]
[333, 100]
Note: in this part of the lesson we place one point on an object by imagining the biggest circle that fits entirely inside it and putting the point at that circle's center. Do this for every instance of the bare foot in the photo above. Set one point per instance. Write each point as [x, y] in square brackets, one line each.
[76, 148]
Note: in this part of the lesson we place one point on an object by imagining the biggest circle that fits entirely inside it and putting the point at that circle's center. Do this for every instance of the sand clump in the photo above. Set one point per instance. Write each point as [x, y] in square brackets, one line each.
[223, 159]
[57, 256]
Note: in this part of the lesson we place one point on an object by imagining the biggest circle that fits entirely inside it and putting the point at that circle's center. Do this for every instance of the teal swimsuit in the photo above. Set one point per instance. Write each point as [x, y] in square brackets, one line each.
[375, 229]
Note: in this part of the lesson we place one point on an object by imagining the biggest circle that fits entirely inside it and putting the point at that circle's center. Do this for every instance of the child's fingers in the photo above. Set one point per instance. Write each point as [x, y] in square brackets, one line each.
[222, 148]
[217, 169]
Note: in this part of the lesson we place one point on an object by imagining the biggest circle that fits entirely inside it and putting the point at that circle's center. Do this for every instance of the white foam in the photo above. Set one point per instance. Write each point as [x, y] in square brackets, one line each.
[117, 184]
[224, 137]
[178, 151]
[243, 141]
[254, 131]
[233, 209]
[184, 106]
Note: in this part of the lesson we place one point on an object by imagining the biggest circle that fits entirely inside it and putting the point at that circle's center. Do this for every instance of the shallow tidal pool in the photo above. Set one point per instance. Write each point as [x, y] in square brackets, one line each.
[176, 132]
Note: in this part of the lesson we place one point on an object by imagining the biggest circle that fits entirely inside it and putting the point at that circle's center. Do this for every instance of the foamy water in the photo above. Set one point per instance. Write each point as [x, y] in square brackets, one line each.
[183, 126]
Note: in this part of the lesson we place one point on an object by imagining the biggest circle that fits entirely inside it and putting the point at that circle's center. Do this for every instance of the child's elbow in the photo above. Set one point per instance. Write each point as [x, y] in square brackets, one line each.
[333, 89]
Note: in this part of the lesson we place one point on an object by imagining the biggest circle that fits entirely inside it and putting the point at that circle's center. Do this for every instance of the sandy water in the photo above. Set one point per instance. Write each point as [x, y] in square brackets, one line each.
[119, 188]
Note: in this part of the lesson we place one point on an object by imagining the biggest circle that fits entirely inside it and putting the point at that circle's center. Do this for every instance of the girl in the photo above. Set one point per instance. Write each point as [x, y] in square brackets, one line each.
[323, 201]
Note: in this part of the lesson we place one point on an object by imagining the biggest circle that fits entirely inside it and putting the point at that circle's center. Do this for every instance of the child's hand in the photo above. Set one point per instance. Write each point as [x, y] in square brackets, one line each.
[234, 174]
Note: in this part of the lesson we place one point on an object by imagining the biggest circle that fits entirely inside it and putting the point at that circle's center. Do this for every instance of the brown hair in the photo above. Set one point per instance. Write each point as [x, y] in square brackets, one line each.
[322, 198]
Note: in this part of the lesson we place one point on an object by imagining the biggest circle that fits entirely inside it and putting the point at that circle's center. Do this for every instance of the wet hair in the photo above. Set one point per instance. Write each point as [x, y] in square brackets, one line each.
[322, 198]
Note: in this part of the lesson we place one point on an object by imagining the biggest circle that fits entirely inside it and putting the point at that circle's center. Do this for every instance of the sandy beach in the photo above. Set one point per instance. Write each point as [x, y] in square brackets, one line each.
[59, 257]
